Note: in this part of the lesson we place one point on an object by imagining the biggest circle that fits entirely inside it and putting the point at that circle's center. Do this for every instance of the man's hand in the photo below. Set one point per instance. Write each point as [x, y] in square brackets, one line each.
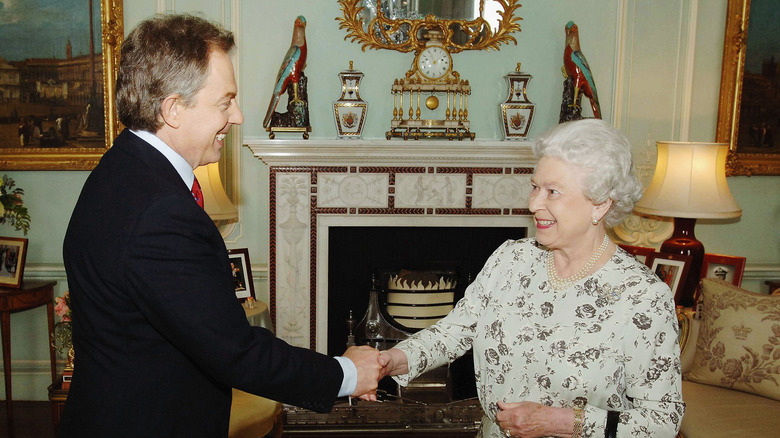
[369, 364]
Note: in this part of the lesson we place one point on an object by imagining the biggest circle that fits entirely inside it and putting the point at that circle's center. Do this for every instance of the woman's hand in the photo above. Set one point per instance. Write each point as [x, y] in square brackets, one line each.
[397, 362]
[392, 362]
[529, 420]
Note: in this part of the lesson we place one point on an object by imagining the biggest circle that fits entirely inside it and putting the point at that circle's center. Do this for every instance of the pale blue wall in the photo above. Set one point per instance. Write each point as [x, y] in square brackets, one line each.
[642, 92]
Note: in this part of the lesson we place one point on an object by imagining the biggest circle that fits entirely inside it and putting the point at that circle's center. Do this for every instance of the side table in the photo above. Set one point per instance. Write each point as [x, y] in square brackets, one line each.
[32, 294]
[57, 397]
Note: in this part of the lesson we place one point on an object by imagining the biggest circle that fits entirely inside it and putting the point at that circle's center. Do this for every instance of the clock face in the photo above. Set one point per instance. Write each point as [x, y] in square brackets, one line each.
[433, 62]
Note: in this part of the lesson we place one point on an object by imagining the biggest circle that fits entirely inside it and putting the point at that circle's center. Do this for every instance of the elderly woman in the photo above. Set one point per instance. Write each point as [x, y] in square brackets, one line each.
[571, 335]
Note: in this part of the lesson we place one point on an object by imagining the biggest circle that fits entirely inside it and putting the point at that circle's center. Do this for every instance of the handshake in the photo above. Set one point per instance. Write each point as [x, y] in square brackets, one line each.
[372, 365]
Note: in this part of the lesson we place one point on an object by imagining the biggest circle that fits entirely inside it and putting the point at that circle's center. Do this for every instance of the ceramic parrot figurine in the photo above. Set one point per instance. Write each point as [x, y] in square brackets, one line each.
[576, 66]
[291, 68]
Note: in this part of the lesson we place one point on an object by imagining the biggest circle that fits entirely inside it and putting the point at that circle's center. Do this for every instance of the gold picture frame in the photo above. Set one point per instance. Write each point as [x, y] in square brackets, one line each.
[407, 35]
[739, 161]
[82, 153]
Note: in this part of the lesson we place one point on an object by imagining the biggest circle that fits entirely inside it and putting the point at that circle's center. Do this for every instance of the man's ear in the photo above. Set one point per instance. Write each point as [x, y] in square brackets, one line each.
[169, 110]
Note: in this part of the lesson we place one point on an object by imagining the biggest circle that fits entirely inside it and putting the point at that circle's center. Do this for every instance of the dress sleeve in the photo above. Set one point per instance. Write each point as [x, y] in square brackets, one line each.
[452, 336]
[652, 370]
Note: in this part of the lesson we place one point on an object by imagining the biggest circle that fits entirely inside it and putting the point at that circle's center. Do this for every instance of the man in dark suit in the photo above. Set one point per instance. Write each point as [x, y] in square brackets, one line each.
[159, 336]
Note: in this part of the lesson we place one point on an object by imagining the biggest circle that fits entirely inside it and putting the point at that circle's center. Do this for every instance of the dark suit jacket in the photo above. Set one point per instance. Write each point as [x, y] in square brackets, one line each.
[159, 335]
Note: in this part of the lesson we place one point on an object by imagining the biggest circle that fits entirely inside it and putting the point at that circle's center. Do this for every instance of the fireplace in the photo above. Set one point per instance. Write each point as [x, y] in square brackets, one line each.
[359, 255]
[321, 188]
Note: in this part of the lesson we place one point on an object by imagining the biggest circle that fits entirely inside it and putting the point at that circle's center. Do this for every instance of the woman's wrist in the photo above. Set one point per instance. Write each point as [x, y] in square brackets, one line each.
[399, 363]
[579, 420]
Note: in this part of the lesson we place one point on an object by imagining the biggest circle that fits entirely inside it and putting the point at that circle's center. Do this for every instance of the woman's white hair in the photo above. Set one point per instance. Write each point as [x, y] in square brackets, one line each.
[605, 154]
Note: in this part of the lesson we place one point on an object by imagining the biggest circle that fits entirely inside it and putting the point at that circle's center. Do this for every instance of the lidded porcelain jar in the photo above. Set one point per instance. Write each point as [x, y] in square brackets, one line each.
[349, 110]
[517, 111]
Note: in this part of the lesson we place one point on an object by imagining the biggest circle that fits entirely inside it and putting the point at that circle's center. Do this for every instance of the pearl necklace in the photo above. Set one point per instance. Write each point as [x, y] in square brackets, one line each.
[563, 283]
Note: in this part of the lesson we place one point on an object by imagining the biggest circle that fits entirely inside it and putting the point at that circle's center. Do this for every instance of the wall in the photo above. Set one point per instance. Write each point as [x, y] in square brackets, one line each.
[657, 67]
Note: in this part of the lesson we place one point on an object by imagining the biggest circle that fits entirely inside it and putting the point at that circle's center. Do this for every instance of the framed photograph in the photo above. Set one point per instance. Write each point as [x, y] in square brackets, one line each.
[13, 252]
[639, 252]
[242, 273]
[747, 113]
[59, 64]
[723, 267]
[672, 269]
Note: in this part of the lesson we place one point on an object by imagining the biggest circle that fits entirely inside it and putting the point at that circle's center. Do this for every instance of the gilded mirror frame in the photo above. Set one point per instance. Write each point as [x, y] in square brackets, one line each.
[730, 101]
[79, 157]
[480, 35]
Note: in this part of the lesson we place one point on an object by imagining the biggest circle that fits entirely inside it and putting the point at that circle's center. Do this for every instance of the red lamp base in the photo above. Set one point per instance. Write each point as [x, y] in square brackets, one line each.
[683, 241]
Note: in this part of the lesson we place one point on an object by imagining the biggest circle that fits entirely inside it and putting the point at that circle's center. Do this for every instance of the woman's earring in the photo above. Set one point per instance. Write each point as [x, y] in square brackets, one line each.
[595, 221]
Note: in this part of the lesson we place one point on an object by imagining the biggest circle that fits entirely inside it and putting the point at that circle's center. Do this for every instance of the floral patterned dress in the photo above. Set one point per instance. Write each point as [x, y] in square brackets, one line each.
[609, 342]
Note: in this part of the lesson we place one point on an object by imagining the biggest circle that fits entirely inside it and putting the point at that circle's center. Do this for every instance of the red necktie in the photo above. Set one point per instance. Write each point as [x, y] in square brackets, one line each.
[197, 193]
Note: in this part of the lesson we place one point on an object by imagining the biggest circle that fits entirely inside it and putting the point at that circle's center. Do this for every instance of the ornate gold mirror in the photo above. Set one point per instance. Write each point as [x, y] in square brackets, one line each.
[403, 25]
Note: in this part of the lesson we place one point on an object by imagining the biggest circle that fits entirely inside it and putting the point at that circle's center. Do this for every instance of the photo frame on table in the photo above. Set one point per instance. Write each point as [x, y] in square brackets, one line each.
[723, 267]
[672, 269]
[640, 253]
[70, 122]
[13, 253]
[242, 273]
[749, 44]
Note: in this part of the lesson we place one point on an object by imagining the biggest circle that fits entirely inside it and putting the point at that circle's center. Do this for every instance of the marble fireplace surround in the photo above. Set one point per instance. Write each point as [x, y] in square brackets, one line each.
[317, 184]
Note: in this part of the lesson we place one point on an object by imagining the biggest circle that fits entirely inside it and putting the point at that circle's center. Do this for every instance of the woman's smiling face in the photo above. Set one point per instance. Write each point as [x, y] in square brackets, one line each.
[562, 212]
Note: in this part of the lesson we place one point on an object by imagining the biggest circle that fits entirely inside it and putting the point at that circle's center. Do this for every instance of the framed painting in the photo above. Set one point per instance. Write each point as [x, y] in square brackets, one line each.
[748, 113]
[639, 252]
[58, 67]
[13, 252]
[672, 269]
[242, 273]
[723, 267]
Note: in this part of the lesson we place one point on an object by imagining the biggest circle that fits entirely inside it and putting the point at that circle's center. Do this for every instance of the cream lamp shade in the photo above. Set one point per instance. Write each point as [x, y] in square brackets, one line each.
[215, 200]
[690, 182]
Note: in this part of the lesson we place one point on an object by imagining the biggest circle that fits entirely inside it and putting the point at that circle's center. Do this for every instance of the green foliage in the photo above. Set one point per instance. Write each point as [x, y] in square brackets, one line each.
[12, 209]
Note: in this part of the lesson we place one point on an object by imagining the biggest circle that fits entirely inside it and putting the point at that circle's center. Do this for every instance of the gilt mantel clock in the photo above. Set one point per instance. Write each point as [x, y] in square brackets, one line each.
[431, 76]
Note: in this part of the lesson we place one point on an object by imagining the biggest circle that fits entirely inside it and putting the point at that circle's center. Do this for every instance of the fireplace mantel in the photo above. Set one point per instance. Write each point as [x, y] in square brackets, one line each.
[318, 184]
[396, 152]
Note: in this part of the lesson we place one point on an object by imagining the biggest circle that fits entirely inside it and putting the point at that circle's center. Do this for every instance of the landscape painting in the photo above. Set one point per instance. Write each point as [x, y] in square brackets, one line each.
[56, 86]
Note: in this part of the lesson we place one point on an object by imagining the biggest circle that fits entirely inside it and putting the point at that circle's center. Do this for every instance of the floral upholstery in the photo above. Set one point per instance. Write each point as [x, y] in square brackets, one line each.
[721, 409]
[738, 345]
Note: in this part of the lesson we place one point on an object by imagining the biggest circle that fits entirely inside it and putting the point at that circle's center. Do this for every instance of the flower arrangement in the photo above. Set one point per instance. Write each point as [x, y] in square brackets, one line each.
[12, 209]
[62, 337]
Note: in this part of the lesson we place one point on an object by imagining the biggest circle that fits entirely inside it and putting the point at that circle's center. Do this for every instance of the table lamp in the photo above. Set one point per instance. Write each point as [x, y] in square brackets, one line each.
[689, 183]
[215, 200]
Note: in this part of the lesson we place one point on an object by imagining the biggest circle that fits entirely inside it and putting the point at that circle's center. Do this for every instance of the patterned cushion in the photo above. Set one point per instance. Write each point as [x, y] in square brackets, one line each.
[738, 346]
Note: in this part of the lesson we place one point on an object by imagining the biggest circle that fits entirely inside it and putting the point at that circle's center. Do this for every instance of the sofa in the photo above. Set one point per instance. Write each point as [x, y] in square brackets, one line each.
[731, 363]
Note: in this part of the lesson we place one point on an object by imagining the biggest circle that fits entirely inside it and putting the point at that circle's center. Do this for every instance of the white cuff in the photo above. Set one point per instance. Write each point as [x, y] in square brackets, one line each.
[349, 383]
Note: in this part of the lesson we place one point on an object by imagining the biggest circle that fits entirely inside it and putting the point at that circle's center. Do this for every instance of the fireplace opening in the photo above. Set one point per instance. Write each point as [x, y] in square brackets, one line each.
[359, 255]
